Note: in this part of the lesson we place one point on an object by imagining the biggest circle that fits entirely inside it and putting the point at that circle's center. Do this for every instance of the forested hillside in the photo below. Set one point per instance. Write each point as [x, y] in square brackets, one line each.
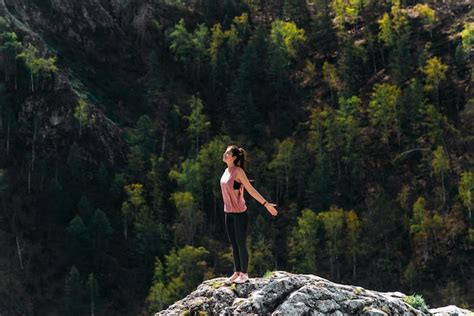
[357, 116]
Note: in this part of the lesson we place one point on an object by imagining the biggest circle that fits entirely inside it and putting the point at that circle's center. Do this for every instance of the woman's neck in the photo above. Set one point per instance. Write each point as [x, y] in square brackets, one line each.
[230, 165]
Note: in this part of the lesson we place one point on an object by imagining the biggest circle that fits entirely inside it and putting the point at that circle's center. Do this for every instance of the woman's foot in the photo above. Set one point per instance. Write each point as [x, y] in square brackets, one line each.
[231, 279]
[243, 277]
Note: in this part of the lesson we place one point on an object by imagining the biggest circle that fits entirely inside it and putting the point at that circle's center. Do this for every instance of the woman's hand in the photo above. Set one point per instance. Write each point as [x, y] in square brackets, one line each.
[271, 208]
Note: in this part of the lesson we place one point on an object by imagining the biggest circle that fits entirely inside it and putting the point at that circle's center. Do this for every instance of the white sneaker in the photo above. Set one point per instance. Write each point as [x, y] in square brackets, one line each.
[231, 279]
[243, 277]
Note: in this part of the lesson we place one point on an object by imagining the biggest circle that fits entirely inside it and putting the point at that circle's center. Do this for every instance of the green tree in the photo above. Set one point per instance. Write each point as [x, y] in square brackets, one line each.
[78, 240]
[100, 231]
[435, 123]
[151, 234]
[83, 115]
[198, 121]
[182, 271]
[294, 10]
[322, 26]
[181, 44]
[338, 9]
[74, 294]
[9, 48]
[143, 135]
[435, 72]
[440, 165]
[401, 59]
[130, 207]
[333, 222]
[136, 163]
[412, 103]
[467, 39]
[282, 163]
[302, 243]
[200, 42]
[289, 35]
[386, 34]
[242, 23]
[331, 77]
[189, 219]
[466, 191]
[427, 14]
[383, 109]
[352, 68]
[37, 65]
[260, 256]
[347, 121]
[353, 238]
[189, 178]
[245, 118]
[418, 226]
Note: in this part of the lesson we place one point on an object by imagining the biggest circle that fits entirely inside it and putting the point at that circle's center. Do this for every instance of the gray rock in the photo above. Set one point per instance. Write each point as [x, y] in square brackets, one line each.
[296, 294]
[450, 310]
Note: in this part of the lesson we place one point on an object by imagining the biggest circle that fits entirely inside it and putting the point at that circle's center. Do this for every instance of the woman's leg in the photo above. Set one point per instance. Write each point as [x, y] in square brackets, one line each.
[241, 224]
[230, 229]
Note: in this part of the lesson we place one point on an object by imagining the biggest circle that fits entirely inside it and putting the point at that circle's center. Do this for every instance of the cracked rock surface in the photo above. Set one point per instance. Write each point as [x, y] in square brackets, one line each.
[285, 293]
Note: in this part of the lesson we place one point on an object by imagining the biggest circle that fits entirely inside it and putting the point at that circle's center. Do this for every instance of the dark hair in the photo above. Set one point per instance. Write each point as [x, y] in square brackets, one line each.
[241, 155]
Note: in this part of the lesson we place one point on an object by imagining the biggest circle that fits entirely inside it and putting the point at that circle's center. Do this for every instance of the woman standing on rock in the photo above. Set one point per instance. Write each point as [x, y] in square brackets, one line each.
[233, 182]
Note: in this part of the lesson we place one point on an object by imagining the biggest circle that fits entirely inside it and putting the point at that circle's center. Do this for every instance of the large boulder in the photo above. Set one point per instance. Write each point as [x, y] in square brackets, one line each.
[283, 293]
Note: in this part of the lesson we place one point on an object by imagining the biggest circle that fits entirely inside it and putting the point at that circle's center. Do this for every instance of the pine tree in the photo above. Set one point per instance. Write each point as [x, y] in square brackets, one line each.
[100, 231]
[411, 106]
[74, 294]
[181, 44]
[353, 68]
[78, 241]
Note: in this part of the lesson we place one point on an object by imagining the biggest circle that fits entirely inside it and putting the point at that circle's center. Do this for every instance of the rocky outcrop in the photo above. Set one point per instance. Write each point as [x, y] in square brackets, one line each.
[283, 293]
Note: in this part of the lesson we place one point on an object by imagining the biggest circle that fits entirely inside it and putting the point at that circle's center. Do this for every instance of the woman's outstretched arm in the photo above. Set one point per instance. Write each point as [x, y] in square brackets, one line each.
[242, 177]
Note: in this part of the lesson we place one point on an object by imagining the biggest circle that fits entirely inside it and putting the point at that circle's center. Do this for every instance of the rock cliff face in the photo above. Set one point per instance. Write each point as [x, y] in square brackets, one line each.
[283, 293]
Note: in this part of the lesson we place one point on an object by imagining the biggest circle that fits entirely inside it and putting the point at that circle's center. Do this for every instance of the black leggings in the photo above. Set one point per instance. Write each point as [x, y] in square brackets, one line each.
[236, 227]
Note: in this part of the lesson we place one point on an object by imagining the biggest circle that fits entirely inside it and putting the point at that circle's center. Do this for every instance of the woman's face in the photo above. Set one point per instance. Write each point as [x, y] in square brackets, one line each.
[227, 156]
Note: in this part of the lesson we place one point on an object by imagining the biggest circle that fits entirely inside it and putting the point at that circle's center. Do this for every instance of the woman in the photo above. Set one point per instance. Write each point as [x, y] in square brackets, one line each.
[233, 182]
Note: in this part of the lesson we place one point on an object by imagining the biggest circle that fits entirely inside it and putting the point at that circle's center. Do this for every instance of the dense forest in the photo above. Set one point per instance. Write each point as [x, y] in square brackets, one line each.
[357, 116]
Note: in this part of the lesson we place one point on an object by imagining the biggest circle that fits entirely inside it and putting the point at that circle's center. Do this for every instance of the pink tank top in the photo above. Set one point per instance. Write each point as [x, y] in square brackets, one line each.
[233, 200]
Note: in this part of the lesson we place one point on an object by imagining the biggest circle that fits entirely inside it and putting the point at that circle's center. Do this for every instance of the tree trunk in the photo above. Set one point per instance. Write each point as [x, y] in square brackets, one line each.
[125, 231]
[32, 84]
[19, 252]
[8, 135]
[442, 183]
[354, 258]
[163, 141]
